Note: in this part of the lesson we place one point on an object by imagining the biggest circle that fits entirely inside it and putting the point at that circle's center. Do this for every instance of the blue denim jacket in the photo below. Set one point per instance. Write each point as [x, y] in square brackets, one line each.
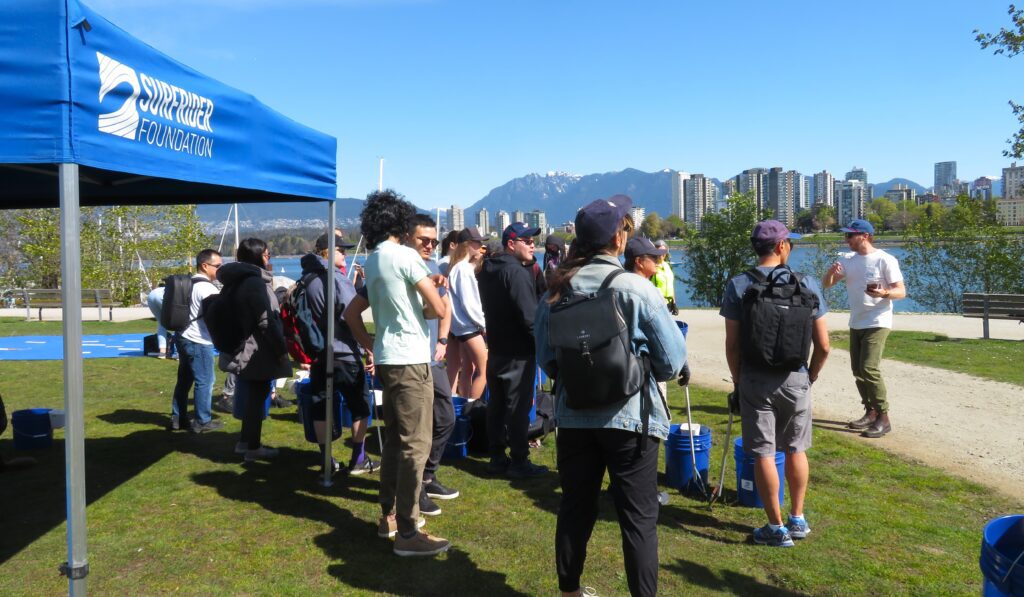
[654, 333]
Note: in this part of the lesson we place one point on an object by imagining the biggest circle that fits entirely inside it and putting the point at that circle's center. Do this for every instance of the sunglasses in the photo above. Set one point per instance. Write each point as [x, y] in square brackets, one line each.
[526, 241]
[430, 242]
[853, 234]
[215, 265]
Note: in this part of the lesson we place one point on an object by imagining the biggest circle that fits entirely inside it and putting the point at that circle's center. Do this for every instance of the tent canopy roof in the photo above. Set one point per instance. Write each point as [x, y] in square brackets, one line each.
[144, 128]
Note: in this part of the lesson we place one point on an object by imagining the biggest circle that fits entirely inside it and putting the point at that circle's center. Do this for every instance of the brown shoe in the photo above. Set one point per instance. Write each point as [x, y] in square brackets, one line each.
[387, 526]
[864, 422]
[420, 544]
[880, 427]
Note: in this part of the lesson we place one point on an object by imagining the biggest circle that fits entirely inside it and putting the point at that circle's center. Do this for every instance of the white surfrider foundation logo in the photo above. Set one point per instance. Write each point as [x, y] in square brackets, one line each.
[150, 99]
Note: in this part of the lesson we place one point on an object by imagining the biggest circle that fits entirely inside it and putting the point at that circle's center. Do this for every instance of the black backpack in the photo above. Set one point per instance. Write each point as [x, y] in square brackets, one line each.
[777, 320]
[174, 314]
[227, 330]
[593, 350]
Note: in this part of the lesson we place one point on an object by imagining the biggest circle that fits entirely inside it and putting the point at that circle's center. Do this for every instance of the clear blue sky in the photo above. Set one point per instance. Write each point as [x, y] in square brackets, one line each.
[460, 96]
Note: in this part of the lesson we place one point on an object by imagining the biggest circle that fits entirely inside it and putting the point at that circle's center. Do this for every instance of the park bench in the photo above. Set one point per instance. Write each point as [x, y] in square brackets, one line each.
[43, 298]
[993, 306]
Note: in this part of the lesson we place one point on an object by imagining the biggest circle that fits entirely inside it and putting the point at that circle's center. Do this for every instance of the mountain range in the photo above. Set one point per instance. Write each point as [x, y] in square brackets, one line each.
[558, 194]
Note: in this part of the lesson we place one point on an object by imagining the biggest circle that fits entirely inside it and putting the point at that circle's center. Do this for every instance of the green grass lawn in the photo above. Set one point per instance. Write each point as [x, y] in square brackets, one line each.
[999, 360]
[181, 513]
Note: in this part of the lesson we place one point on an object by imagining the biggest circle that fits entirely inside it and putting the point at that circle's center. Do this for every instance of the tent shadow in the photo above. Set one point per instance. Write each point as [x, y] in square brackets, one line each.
[740, 584]
[352, 543]
[132, 416]
[34, 498]
[839, 426]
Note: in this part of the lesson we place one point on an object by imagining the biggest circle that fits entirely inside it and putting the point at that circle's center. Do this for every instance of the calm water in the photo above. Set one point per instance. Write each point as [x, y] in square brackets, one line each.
[800, 261]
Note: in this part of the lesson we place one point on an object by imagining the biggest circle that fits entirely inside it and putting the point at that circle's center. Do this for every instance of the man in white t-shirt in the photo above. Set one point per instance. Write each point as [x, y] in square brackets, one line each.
[402, 293]
[195, 352]
[873, 282]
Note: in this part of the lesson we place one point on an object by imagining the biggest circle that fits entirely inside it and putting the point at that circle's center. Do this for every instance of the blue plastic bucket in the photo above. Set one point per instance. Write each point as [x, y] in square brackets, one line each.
[682, 327]
[32, 430]
[1002, 543]
[304, 394]
[456, 447]
[242, 398]
[745, 486]
[679, 465]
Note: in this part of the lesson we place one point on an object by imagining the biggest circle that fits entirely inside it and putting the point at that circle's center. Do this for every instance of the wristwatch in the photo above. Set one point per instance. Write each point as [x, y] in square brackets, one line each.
[442, 341]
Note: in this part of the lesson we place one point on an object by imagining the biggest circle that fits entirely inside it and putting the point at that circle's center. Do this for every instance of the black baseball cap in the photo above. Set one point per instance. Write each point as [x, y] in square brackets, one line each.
[321, 242]
[638, 246]
[597, 221]
[471, 233]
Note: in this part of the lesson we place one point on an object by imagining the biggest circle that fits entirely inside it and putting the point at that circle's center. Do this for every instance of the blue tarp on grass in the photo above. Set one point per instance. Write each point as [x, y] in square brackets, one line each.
[51, 348]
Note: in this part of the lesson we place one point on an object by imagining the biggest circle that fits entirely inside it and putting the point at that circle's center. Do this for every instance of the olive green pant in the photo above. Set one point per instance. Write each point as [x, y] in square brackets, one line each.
[408, 422]
[866, 348]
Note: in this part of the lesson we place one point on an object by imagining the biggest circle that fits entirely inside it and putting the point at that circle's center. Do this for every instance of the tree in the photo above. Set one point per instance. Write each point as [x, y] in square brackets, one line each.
[824, 216]
[651, 226]
[881, 213]
[672, 226]
[1011, 43]
[962, 249]
[721, 249]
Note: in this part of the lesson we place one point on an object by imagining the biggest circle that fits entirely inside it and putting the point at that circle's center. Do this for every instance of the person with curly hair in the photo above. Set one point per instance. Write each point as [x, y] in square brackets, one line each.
[402, 294]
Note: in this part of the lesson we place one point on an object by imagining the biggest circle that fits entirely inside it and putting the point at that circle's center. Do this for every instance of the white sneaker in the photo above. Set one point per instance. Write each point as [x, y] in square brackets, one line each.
[261, 453]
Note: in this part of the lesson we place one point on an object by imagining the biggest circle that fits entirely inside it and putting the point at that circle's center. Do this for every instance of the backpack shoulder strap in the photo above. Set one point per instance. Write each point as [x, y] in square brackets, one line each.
[756, 274]
[608, 279]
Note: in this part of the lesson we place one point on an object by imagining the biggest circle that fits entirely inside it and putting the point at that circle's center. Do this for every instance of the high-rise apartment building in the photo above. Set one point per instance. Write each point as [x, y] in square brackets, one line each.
[945, 180]
[824, 188]
[482, 223]
[637, 214]
[852, 197]
[538, 219]
[754, 181]
[1013, 182]
[901, 192]
[678, 194]
[456, 218]
[981, 188]
[502, 221]
[700, 197]
[858, 174]
[806, 198]
[518, 216]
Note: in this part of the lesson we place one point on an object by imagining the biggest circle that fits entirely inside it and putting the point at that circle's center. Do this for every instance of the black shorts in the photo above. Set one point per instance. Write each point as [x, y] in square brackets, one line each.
[469, 336]
[349, 381]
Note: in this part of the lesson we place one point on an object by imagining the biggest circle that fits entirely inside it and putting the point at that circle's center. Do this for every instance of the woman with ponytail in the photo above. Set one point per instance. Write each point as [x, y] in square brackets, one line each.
[622, 438]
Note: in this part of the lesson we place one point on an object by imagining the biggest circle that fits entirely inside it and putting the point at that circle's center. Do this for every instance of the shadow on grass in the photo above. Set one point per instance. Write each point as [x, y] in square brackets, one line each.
[363, 560]
[696, 520]
[840, 426]
[741, 584]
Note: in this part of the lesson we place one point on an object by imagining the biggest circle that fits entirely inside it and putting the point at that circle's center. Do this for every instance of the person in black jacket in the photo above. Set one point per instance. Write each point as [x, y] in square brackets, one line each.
[264, 355]
[508, 293]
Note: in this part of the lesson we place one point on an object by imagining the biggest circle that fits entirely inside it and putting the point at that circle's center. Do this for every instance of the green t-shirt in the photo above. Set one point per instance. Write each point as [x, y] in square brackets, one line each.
[402, 336]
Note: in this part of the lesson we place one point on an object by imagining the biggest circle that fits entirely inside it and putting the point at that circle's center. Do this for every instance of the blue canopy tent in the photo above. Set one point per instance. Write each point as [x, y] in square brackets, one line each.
[91, 116]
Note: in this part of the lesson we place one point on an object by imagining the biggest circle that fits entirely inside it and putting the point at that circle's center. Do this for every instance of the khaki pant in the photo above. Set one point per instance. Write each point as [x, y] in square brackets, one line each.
[866, 348]
[408, 411]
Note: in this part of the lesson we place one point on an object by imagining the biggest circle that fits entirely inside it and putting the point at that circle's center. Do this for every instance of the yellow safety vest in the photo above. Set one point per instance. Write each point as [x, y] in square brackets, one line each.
[665, 281]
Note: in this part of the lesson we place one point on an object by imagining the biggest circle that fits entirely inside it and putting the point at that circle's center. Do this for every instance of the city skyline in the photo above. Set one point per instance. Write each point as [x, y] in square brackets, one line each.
[491, 91]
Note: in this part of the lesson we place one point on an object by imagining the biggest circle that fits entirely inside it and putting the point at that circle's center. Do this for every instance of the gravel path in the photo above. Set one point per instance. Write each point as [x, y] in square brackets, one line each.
[970, 427]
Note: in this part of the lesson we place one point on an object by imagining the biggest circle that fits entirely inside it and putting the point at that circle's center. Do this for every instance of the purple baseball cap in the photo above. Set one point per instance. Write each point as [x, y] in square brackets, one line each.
[771, 231]
[517, 230]
[859, 227]
[597, 221]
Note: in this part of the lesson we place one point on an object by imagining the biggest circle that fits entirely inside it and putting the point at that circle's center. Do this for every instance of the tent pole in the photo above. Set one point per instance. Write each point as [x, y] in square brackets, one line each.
[77, 566]
[329, 352]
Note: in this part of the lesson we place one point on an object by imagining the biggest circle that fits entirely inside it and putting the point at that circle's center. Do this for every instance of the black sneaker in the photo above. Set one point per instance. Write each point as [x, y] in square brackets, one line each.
[427, 505]
[498, 466]
[525, 470]
[437, 491]
[225, 404]
[175, 425]
[211, 425]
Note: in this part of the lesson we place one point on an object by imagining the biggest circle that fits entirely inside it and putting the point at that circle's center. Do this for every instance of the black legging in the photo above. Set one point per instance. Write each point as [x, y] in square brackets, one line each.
[255, 392]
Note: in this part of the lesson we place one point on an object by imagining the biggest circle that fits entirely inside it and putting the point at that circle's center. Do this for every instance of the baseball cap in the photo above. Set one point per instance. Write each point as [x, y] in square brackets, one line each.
[638, 246]
[471, 233]
[517, 230]
[597, 221]
[771, 231]
[661, 244]
[321, 242]
[859, 227]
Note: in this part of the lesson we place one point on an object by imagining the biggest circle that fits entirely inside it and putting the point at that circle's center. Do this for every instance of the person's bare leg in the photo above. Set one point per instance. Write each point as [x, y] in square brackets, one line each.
[766, 477]
[797, 473]
[475, 351]
[453, 356]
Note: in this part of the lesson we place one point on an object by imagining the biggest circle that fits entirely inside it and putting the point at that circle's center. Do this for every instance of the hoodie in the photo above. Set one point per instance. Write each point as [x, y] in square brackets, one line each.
[509, 298]
[264, 356]
[345, 347]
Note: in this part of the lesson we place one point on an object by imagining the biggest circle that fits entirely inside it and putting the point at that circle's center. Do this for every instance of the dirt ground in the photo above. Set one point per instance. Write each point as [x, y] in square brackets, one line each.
[970, 427]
